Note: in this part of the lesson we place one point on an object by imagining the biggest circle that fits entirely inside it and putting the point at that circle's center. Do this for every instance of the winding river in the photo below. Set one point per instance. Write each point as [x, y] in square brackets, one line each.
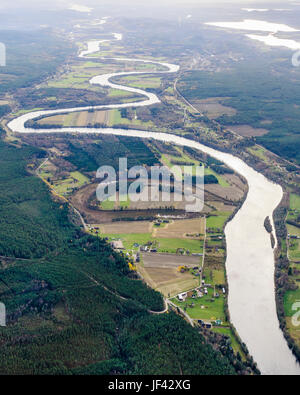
[250, 257]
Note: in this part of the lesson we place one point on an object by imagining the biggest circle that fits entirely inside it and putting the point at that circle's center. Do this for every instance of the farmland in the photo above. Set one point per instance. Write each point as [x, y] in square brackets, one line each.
[260, 152]
[103, 118]
[174, 240]
[291, 306]
[272, 123]
[292, 245]
[194, 228]
[82, 118]
[122, 227]
[295, 202]
[171, 234]
[293, 228]
[217, 221]
[67, 314]
[162, 244]
[174, 229]
[161, 272]
[66, 184]
[182, 157]
[248, 131]
[142, 82]
[206, 308]
[160, 268]
[213, 108]
[80, 73]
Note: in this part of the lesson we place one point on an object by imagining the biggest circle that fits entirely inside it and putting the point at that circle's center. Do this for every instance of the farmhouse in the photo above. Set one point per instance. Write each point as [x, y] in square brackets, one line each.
[117, 245]
[204, 324]
[182, 297]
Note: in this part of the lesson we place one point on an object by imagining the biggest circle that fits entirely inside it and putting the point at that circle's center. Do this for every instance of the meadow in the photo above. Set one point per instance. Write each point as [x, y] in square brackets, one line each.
[217, 220]
[66, 186]
[167, 245]
[205, 308]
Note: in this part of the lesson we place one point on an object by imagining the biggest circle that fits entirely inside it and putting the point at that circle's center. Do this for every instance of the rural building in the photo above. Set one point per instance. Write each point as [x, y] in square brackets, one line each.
[182, 297]
[207, 325]
[117, 245]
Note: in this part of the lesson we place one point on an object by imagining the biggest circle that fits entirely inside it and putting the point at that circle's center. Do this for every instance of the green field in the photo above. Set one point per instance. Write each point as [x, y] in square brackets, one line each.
[168, 159]
[221, 179]
[126, 203]
[21, 112]
[293, 216]
[46, 174]
[119, 93]
[115, 204]
[294, 244]
[228, 332]
[115, 118]
[294, 202]
[130, 239]
[290, 298]
[66, 186]
[142, 82]
[294, 211]
[213, 308]
[79, 78]
[171, 245]
[72, 80]
[162, 244]
[260, 152]
[214, 277]
[107, 205]
[217, 220]
[293, 230]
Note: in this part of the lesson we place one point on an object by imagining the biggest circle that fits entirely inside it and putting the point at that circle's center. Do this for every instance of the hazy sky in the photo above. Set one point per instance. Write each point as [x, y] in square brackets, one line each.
[67, 3]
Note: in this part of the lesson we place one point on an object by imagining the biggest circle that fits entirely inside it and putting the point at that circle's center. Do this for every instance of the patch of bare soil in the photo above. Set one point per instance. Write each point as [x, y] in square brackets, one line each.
[155, 260]
[213, 107]
[228, 193]
[248, 131]
[180, 228]
[81, 199]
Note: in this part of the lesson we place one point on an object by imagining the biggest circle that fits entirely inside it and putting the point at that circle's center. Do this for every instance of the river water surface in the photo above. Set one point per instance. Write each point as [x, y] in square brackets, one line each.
[250, 258]
[263, 26]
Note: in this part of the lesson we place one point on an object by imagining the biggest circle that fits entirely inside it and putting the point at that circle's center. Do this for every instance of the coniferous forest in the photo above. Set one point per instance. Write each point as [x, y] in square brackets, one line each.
[72, 304]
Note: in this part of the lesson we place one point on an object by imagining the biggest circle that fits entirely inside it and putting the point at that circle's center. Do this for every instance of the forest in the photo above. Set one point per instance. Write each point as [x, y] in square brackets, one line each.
[73, 305]
[263, 99]
[31, 57]
[107, 151]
